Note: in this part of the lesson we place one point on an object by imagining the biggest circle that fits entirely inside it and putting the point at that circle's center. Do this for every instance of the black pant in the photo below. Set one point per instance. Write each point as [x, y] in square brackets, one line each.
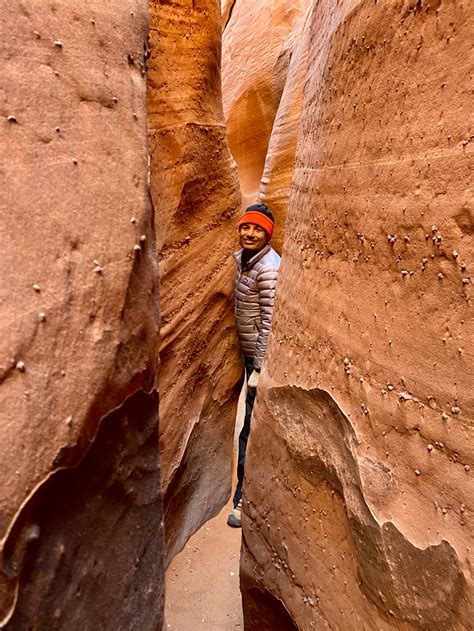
[244, 434]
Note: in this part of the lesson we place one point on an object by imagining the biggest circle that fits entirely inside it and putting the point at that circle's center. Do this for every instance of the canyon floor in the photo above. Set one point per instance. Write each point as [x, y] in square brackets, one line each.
[202, 582]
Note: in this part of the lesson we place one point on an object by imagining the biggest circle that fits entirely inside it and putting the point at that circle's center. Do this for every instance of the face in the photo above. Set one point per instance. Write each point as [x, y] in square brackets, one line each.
[252, 237]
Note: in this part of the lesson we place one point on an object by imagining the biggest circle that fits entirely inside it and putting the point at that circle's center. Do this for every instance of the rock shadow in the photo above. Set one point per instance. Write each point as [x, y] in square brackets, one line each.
[86, 551]
[265, 612]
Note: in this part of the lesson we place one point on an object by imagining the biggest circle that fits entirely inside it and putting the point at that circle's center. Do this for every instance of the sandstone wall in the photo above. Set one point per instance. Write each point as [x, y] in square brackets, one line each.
[359, 493]
[258, 42]
[277, 174]
[80, 519]
[194, 183]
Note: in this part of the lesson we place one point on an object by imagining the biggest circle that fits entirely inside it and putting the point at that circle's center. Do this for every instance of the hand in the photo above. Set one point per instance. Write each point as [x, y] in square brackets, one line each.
[253, 380]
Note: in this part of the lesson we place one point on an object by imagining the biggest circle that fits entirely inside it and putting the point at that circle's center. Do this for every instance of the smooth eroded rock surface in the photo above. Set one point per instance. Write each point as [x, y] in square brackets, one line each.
[80, 518]
[194, 183]
[359, 492]
[277, 174]
[258, 42]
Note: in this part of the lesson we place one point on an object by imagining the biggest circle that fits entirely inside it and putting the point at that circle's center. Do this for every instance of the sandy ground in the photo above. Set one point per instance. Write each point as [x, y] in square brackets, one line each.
[202, 582]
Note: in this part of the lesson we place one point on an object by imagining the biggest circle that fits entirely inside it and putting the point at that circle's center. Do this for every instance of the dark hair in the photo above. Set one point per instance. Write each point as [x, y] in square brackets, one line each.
[262, 208]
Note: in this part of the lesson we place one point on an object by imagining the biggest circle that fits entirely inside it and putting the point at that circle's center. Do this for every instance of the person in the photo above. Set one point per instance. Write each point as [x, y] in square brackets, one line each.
[255, 283]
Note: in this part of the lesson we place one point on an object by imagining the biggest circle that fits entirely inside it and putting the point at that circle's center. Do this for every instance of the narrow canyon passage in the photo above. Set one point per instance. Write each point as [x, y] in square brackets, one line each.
[202, 581]
[133, 134]
[364, 416]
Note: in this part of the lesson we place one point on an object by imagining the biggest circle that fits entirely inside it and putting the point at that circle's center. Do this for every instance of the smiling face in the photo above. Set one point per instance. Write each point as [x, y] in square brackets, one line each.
[252, 237]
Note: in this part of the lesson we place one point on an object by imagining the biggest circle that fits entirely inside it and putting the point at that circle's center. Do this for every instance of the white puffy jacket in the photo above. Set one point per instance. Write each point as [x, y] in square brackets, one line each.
[254, 299]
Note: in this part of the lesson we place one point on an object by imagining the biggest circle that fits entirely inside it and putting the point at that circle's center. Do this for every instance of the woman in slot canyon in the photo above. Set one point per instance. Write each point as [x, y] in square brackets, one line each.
[255, 285]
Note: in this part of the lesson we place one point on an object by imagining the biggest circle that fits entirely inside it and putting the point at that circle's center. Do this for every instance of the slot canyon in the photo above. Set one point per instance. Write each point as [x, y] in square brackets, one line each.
[134, 133]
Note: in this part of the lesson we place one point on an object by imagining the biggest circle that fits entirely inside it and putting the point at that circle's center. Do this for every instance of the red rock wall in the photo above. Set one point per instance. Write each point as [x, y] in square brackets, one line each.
[80, 501]
[258, 42]
[359, 494]
[277, 174]
[194, 183]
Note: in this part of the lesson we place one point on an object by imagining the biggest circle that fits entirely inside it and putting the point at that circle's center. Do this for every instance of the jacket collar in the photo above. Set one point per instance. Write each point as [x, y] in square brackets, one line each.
[251, 262]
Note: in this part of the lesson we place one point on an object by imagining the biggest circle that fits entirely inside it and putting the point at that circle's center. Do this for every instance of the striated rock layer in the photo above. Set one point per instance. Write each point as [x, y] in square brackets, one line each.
[80, 517]
[279, 159]
[258, 43]
[194, 183]
[359, 493]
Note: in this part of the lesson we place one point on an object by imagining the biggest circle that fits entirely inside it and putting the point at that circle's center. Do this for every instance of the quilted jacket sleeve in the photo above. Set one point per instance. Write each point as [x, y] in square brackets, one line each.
[266, 282]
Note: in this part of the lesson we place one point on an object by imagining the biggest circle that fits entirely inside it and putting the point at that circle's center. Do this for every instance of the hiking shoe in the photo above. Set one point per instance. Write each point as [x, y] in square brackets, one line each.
[235, 517]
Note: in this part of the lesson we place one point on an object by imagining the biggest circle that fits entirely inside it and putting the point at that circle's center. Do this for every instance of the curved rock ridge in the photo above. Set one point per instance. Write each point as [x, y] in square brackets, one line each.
[195, 185]
[258, 40]
[79, 494]
[227, 6]
[359, 493]
[277, 174]
[418, 586]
